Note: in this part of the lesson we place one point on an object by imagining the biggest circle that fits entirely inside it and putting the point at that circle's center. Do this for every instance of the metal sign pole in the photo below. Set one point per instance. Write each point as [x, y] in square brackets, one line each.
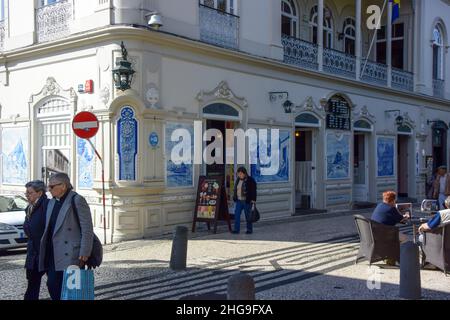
[103, 188]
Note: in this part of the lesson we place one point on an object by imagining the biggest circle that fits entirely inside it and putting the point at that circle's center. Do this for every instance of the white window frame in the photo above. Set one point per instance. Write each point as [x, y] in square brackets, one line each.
[43, 3]
[231, 6]
[349, 26]
[293, 16]
[439, 44]
[327, 26]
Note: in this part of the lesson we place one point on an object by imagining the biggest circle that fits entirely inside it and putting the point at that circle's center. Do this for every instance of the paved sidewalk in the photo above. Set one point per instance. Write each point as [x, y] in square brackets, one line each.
[297, 258]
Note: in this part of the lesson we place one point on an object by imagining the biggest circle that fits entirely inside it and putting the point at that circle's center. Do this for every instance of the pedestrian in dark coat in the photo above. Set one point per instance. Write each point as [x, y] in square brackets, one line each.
[244, 195]
[33, 227]
[69, 235]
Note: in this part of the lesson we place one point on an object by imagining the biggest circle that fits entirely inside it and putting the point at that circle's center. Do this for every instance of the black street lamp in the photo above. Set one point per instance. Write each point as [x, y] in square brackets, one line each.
[123, 74]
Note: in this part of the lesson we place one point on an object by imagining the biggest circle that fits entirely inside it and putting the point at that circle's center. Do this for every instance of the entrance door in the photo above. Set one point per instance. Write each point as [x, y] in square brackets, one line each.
[304, 169]
[402, 165]
[360, 168]
[227, 171]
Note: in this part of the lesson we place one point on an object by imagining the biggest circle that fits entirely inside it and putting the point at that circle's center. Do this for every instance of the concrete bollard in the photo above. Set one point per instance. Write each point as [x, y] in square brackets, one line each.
[179, 249]
[410, 286]
[241, 287]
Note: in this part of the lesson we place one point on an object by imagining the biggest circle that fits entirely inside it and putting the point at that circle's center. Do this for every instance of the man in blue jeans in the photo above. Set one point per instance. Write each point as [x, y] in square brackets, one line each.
[244, 195]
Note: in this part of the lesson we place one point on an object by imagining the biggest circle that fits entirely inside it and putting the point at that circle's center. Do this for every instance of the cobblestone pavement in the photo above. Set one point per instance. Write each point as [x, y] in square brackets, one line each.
[296, 258]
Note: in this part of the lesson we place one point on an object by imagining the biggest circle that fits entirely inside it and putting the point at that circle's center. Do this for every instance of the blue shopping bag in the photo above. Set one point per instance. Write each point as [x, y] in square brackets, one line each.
[78, 284]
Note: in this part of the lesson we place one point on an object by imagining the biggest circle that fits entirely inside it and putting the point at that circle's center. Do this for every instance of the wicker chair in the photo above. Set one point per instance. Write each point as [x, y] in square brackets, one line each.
[436, 248]
[377, 241]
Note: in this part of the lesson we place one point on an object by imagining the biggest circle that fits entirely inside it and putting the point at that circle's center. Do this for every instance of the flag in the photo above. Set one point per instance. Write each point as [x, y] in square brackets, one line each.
[395, 9]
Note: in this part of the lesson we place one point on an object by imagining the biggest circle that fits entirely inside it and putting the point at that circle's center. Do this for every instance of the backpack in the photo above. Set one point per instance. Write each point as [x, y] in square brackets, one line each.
[96, 258]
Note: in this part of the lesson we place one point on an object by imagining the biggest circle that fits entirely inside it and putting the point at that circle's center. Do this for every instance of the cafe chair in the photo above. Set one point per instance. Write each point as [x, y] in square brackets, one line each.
[377, 241]
[436, 248]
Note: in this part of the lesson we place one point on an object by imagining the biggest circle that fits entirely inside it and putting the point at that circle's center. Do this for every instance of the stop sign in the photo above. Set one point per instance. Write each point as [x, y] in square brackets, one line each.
[85, 125]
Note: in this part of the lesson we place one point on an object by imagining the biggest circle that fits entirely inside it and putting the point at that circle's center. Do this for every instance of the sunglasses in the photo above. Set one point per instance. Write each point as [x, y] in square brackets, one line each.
[50, 187]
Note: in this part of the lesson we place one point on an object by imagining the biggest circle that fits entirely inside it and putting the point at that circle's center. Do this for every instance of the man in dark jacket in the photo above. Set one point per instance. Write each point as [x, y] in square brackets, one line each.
[244, 195]
[34, 226]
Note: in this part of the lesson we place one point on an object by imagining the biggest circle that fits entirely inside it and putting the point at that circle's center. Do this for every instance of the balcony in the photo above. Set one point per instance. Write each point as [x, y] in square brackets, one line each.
[300, 53]
[53, 21]
[438, 88]
[304, 54]
[2, 34]
[339, 63]
[218, 27]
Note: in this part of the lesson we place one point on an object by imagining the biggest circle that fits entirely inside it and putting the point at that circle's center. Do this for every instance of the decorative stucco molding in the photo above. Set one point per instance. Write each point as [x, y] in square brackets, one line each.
[221, 92]
[52, 88]
[364, 113]
[310, 106]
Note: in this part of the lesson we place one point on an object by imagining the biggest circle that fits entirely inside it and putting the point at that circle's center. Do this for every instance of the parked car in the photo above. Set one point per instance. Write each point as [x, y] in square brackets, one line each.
[12, 217]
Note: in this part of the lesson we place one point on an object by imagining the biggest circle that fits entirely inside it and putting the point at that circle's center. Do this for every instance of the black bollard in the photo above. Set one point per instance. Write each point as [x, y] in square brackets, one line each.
[410, 286]
[241, 287]
[179, 249]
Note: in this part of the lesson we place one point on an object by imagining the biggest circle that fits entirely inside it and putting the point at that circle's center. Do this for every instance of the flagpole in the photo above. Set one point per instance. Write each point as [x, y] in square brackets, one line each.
[373, 39]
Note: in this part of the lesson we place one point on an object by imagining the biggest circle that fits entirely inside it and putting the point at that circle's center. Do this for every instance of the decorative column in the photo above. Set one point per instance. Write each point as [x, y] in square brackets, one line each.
[358, 40]
[389, 45]
[320, 7]
[419, 66]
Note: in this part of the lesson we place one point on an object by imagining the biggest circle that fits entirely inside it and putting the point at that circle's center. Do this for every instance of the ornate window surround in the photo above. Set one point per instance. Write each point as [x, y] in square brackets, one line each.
[51, 91]
[222, 94]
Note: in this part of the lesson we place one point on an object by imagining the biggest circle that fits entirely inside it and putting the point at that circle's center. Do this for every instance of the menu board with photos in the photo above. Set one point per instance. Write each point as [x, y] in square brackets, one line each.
[338, 114]
[211, 203]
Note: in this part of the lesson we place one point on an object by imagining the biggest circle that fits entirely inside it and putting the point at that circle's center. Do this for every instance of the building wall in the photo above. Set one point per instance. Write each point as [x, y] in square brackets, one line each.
[175, 79]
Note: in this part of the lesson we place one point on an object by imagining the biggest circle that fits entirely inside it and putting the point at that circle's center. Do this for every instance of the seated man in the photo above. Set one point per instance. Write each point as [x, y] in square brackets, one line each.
[386, 213]
[439, 218]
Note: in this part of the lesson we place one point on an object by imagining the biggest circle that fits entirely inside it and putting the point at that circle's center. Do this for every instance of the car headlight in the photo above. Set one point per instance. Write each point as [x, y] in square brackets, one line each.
[6, 227]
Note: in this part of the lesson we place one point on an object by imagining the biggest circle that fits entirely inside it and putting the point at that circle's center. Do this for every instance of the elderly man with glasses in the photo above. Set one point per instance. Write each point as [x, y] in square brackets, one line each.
[69, 234]
[34, 226]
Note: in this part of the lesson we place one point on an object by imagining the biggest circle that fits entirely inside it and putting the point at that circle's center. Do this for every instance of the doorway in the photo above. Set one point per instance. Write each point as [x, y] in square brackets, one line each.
[439, 139]
[360, 168]
[403, 165]
[224, 170]
[305, 169]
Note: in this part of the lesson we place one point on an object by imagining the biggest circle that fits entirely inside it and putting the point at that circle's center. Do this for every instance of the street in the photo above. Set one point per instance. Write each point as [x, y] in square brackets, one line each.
[296, 258]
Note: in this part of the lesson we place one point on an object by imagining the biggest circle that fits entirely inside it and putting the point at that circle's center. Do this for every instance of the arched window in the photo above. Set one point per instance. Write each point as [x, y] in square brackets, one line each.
[349, 32]
[438, 53]
[327, 27]
[289, 18]
[228, 6]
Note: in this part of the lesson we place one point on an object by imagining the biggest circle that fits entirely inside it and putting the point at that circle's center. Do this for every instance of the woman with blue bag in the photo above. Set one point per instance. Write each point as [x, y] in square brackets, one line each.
[67, 241]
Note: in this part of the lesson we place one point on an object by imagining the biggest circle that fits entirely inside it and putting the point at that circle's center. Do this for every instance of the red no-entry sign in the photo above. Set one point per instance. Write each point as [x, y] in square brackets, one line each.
[85, 125]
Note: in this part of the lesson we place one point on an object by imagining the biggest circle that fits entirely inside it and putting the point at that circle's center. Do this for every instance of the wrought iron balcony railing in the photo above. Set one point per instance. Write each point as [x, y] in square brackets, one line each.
[339, 63]
[438, 88]
[402, 80]
[53, 21]
[374, 72]
[219, 27]
[299, 52]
